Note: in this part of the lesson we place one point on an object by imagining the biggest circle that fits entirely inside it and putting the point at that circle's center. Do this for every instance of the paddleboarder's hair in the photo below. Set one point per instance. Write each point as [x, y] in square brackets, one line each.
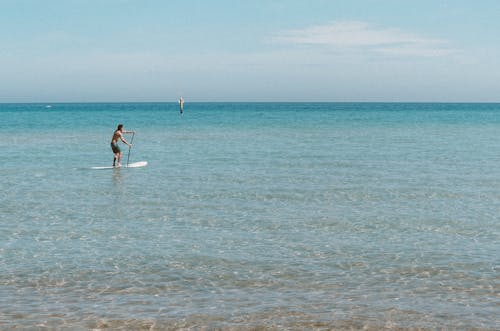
[120, 126]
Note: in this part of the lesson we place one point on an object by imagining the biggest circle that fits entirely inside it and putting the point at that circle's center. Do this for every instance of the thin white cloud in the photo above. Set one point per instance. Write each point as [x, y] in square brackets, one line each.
[361, 35]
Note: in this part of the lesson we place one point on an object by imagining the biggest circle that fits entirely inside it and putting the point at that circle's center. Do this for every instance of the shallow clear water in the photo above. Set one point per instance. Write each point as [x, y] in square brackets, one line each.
[286, 216]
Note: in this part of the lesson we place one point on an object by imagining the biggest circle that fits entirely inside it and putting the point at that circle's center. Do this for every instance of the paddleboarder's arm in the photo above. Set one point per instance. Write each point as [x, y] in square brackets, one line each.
[124, 141]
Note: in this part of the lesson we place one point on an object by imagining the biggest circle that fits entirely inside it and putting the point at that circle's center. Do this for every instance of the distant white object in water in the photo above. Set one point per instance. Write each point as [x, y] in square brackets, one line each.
[181, 105]
[48, 106]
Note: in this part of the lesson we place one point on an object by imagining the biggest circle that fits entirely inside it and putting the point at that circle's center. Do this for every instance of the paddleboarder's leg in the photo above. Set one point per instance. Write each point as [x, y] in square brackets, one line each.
[117, 152]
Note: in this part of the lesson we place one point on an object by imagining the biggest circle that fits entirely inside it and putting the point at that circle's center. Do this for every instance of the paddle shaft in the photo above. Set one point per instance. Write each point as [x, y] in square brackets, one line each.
[129, 147]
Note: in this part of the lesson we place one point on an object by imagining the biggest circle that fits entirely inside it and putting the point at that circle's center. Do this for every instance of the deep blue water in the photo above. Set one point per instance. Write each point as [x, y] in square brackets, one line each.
[248, 215]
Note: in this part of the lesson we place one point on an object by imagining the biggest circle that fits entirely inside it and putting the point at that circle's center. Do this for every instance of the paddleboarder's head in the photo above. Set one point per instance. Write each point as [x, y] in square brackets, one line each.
[120, 127]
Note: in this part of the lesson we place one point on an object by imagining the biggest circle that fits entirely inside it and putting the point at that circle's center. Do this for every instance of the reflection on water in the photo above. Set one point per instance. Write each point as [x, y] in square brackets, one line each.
[117, 177]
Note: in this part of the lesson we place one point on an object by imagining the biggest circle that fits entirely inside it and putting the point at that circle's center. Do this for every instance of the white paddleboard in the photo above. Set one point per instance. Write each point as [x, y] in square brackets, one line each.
[130, 165]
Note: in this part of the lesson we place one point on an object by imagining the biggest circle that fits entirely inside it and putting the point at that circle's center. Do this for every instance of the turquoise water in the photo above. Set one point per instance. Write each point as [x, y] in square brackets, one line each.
[274, 215]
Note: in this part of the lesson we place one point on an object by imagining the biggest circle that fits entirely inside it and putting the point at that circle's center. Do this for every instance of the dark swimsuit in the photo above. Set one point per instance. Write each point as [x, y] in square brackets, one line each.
[115, 148]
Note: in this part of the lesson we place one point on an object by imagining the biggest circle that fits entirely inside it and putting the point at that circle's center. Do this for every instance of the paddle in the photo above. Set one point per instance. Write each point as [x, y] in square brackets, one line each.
[129, 147]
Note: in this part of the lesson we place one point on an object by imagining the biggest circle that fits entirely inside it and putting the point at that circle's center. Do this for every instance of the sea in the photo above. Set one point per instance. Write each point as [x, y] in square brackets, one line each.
[250, 216]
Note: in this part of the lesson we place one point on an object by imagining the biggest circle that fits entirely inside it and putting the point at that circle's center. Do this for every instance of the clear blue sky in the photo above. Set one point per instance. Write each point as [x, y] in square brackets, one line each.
[255, 50]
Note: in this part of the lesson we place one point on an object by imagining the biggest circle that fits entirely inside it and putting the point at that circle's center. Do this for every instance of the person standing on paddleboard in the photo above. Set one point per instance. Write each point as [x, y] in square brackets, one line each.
[118, 134]
[181, 105]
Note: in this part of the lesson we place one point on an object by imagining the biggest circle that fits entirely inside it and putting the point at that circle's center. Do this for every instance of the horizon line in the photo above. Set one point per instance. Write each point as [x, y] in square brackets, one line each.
[197, 102]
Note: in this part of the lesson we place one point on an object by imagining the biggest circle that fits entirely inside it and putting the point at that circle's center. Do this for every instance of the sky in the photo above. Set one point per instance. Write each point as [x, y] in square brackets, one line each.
[249, 50]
